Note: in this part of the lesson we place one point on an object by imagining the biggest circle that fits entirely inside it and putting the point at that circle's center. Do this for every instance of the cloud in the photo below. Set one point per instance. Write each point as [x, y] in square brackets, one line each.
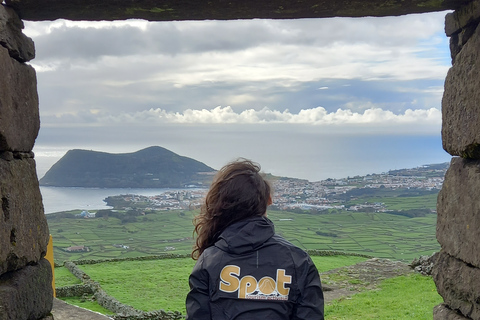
[132, 66]
[177, 37]
[315, 116]
[427, 119]
[297, 90]
[300, 50]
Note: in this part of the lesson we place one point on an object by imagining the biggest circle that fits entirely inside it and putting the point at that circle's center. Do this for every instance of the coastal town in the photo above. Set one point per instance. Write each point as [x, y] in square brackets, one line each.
[297, 194]
[337, 205]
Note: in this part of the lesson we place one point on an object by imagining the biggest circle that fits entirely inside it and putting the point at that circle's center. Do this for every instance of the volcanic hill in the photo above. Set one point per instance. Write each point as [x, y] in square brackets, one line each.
[153, 167]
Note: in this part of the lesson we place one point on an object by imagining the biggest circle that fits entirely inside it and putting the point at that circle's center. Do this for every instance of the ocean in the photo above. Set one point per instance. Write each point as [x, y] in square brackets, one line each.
[301, 156]
[330, 157]
[56, 199]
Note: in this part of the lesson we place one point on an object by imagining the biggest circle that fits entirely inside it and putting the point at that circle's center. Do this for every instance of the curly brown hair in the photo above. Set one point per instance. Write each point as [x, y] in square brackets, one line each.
[238, 191]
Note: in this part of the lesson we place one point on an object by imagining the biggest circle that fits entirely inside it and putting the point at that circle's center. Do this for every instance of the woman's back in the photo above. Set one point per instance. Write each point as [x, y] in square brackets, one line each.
[251, 273]
[244, 270]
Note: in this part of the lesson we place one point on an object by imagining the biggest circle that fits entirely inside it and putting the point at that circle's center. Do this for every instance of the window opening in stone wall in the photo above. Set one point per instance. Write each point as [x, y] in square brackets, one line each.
[317, 99]
[320, 93]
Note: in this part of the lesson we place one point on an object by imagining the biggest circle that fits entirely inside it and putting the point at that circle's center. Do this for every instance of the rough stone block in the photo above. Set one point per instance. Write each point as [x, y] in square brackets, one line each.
[458, 211]
[19, 46]
[27, 293]
[167, 10]
[458, 40]
[19, 115]
[461, 102]
[468, 14]
[442, 312]
[23, 226]
[451, 24]
[458, 282]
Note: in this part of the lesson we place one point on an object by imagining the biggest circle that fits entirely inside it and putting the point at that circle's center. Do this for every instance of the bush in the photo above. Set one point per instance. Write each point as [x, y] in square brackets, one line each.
[326, 234]
[128, 219]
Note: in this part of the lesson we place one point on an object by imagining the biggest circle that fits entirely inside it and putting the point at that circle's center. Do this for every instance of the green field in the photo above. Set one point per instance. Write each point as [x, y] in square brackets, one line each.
[163, 284]
[405, 203]
[400, 298]
[150, 235]
[381, 235]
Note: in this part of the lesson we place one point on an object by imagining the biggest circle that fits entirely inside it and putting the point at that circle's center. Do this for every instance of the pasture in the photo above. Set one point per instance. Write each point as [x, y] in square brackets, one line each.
[401, 298]
[163, 284]
[376, 234]
[402, 202]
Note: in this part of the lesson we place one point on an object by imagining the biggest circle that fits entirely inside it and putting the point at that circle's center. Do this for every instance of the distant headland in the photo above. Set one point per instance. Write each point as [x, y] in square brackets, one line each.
[153, 167]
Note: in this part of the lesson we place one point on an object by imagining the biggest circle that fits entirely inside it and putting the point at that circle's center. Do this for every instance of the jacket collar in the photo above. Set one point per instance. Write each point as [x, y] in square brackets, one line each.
[246, 235]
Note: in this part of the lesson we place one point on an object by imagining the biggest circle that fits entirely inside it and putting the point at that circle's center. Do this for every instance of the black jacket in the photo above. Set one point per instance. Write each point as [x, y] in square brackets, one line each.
[252, 273]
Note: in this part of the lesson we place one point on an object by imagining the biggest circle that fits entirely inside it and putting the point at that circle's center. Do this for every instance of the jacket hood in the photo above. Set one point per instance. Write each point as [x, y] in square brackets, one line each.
[246, 235]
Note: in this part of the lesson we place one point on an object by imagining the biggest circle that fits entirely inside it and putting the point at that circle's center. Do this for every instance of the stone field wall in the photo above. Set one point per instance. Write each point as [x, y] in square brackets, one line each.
[25, 275]
[122, 311]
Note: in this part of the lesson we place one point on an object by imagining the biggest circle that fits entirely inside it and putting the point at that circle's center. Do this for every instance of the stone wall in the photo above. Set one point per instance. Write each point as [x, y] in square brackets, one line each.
[457, 270]
[122, 311]
[25, 276]
[168, 10]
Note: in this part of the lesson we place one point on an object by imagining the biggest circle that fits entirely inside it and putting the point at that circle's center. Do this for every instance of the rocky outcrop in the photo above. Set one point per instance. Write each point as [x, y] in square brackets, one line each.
[424, 264]
[168, 10]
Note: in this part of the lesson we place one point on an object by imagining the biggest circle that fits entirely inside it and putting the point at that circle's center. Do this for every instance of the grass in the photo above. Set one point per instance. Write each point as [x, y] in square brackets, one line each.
[150, 235]
[333, 262]
[400, 298]
[406, 203]
[377, 234]
[63, 277]
[87, 304]
[161, 284]
[343, 276]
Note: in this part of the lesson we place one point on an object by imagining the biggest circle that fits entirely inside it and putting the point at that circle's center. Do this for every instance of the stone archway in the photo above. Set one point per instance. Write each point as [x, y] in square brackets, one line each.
[25, 276]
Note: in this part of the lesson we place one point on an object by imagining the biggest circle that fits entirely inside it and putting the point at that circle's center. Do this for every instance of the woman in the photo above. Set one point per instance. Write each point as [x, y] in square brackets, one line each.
[244, 270]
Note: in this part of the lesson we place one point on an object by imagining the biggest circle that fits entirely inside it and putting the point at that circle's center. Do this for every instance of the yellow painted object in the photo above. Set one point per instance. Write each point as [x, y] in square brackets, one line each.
[49, 257]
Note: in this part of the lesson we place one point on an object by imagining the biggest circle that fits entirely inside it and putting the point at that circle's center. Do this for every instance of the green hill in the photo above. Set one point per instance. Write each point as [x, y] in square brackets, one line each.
[153, 167]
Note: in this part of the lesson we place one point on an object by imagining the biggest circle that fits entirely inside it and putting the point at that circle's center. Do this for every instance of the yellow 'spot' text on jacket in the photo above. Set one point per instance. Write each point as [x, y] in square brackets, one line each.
[248, 287]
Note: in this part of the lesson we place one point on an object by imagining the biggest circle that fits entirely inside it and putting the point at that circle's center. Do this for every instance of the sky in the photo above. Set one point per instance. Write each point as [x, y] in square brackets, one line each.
[308, 98]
